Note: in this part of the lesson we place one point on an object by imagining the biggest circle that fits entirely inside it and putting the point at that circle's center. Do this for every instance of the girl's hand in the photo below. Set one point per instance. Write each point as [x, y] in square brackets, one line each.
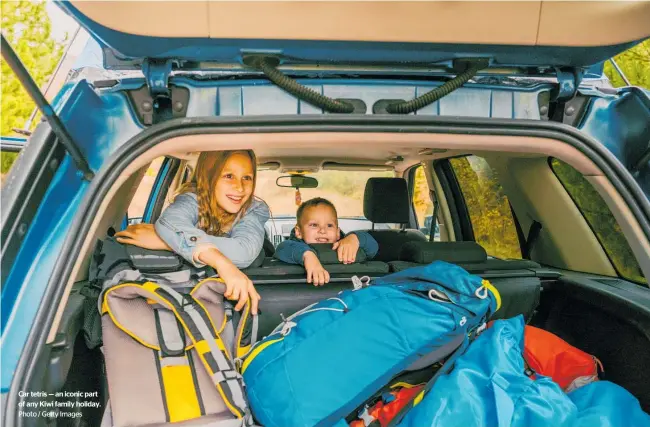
[347, 248]
[238, 287]
[315, 271]
[142, 235]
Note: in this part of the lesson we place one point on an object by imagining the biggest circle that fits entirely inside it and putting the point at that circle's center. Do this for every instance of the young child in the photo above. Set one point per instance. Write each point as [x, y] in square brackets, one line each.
[317, 222]
[215, 220]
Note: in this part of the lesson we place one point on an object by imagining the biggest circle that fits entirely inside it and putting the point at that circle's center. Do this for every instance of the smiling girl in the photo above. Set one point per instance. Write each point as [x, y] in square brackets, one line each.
[215, 221]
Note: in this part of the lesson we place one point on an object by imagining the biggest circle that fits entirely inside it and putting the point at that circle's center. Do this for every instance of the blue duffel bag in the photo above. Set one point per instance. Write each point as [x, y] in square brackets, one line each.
[325, 361]
[489, 387]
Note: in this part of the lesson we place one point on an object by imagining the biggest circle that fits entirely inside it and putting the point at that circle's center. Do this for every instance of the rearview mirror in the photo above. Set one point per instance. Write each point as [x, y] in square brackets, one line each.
[296, 181]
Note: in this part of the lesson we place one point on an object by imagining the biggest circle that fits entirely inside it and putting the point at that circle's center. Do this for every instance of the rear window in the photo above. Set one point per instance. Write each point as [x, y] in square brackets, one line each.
[142, 194]
[488, 207]
[343, 188]
[422, 204]
[600, 219]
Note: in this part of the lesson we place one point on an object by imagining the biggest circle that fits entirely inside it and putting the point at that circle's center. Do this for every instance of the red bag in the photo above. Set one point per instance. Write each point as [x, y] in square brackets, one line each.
[551, 356]
[384, 412]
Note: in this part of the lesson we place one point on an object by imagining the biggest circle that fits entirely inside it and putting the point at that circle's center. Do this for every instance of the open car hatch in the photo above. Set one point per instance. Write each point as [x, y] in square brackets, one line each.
[195, 33]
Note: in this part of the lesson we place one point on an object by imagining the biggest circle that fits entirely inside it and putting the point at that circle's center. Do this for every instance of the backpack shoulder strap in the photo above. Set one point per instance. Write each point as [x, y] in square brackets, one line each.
[209, 346]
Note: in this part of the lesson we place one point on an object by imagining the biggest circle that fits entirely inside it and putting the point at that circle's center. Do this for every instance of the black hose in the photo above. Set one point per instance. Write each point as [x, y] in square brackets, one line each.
[437, 93]
[301, 92]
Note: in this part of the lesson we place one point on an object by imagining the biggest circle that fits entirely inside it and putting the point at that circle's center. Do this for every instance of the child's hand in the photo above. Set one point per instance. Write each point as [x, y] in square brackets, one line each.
[239, 287]
[315, 270]
[143, 235]
[347, 248]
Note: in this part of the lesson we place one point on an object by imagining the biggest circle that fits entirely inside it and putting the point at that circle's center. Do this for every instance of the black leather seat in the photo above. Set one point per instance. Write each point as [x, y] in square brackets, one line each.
[386, 201]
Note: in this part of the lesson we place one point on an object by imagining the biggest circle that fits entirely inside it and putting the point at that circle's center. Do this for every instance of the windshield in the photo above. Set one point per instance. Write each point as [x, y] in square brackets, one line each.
[343, 188]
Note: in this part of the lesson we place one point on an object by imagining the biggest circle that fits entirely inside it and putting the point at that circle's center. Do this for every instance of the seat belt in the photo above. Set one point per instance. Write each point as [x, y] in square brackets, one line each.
[434, 219]
[533, 235]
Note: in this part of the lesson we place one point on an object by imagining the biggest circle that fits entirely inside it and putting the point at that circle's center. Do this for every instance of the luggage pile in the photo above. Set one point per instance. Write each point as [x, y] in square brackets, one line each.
[411, 349]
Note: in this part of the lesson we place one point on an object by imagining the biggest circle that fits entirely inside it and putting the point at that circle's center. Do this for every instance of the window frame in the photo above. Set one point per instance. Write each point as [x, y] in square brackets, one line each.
[410, 182]
[593, 231]
[411, 190]
[160, 189]
[458, 211]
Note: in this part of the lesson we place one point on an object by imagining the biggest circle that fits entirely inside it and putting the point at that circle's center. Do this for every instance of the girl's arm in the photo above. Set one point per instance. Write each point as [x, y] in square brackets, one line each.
[177, 227]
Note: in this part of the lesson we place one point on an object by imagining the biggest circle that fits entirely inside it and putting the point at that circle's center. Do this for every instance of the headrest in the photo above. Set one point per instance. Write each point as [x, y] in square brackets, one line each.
[326, 255]
[386, 200]
[452, 252]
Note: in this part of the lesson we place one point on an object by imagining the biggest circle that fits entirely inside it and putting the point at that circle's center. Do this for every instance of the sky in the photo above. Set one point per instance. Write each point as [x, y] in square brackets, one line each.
[61, 23]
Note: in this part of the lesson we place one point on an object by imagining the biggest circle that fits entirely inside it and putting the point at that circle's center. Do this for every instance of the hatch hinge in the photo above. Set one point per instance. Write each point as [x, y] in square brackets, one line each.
[568, 81]
[160, 100]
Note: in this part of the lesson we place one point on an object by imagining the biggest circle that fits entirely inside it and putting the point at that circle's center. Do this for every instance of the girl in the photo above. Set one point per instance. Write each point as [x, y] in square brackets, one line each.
[215, 220]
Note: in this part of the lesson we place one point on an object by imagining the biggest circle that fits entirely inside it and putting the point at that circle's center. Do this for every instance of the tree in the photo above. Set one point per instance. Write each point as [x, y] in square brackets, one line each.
[635, 63]
[27, 28]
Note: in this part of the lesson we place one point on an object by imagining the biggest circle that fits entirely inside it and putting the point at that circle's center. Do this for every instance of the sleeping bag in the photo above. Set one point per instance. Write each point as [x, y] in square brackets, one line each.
[488, 387]
[321, 363]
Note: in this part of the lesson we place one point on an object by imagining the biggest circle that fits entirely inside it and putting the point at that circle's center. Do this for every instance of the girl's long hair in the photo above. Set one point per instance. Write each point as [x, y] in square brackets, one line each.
[213, 219]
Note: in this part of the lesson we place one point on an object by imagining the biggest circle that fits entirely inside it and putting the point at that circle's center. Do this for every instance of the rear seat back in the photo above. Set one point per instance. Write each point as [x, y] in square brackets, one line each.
[520, 295]
[386, 201]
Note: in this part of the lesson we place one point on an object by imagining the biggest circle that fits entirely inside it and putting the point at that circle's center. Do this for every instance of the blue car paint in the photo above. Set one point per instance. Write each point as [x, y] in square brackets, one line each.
[100, 121]
[13, 139]
[98, 124]
[621, 118]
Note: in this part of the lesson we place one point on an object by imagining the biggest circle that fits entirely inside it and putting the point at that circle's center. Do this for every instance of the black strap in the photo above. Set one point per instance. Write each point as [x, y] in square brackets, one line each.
[533, 235]
[442, 371]
[434, 219]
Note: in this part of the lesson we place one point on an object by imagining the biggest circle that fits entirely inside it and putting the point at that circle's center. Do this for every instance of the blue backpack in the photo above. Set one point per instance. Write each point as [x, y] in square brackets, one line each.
[326, 360]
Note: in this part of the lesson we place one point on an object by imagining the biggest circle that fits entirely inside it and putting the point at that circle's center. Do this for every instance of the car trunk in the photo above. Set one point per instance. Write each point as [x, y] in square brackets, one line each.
[571, 306]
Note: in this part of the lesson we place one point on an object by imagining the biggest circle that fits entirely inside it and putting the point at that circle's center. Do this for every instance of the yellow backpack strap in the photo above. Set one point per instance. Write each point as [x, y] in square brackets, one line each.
[210, 347]
[177, 377]
[494, 291]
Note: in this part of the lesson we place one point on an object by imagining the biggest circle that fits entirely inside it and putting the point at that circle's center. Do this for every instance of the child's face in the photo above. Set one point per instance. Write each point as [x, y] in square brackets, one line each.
[318, 225]
[235, 184]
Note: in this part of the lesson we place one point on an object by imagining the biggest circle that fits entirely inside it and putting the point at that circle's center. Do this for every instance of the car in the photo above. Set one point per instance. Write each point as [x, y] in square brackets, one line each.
[496, 117]
[10, 147]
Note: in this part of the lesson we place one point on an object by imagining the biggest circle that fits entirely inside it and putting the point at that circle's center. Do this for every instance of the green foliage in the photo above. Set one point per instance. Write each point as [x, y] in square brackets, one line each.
[635, 63]
[421, 199]
[488, 206]
[26, 26]
[7, 160]
[600, 219]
